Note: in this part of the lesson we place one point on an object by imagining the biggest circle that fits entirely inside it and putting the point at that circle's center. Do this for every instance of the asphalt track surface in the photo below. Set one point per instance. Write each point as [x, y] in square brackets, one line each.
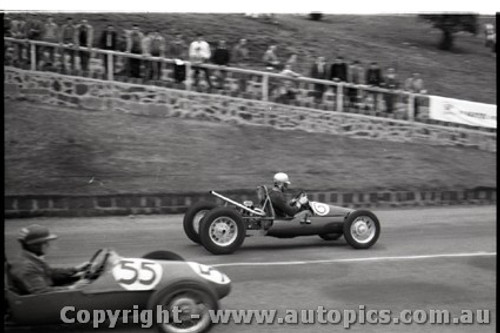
[434, 258]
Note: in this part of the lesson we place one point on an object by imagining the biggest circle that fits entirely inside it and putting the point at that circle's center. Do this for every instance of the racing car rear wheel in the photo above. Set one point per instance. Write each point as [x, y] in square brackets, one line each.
[185, 307]
[330, 237]
[193, 217]
[222, 230]
[361, 229]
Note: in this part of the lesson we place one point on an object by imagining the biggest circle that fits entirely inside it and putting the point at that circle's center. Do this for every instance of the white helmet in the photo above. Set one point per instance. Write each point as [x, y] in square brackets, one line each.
[281, 178]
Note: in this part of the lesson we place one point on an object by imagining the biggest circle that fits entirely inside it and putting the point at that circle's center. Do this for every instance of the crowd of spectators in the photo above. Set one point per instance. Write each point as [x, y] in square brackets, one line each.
[69, 56]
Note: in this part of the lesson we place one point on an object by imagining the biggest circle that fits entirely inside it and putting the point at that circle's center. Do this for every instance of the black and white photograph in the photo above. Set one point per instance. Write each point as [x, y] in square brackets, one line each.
[257, 167]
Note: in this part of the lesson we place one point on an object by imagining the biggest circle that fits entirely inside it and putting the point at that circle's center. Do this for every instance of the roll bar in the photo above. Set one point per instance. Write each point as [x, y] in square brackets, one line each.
[237, 204]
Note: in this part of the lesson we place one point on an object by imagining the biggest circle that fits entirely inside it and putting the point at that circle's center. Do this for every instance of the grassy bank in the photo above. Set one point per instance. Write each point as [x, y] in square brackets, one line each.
[69, 151]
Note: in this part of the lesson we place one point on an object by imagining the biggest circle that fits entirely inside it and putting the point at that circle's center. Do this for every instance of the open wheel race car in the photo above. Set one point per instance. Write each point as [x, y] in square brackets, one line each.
[159, 278]
[222, 229]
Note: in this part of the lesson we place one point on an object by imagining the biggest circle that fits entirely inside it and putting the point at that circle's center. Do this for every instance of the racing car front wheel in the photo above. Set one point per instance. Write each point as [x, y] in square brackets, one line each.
[361, 229]
[185, 307]
[222, 230]
[193, 217]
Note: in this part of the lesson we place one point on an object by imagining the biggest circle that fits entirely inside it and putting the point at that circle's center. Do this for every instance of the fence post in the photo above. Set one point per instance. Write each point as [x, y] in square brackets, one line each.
[265, 87]
[189, 76]
[33, 56]
[111, 67]
[340, 97]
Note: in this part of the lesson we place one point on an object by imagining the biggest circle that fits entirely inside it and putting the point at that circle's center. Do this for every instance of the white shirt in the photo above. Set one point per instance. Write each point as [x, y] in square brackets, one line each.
[199, 51]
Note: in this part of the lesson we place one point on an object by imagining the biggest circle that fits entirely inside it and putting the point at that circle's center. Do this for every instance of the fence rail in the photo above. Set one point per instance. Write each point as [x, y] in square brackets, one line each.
[238, 82]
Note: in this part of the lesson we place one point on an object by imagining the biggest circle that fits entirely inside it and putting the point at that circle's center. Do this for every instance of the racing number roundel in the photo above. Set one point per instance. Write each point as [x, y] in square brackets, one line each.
[209, 273]
[137, 274]
[320, 209]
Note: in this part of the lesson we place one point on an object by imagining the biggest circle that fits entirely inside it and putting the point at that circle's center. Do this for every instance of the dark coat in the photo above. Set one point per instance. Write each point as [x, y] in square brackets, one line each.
[114, 40]
[374, 77]
[339, 71]
[281, 207]
[221, 56]
[32, 275]
[316, 74]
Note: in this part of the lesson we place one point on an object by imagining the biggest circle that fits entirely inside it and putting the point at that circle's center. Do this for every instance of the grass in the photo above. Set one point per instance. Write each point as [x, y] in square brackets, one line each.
[55, 150]
[403, 41]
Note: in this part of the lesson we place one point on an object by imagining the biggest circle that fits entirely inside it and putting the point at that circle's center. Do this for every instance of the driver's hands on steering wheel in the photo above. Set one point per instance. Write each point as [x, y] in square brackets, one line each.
[82, 267]
[303, 199]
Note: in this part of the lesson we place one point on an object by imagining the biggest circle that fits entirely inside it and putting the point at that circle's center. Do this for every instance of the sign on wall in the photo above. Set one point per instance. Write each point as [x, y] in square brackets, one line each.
[463, 112]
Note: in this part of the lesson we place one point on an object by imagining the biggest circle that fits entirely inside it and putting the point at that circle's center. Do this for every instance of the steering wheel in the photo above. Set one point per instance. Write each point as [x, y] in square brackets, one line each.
[96, 264]
[298, 196]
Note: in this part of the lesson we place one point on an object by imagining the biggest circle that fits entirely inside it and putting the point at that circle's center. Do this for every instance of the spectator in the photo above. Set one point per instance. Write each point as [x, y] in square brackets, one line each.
[292, 61]
[415, 84]
[221, 57]
[67, 38]
[391, 83]
[489, 32]
[288, 91]
[338, 70]
[178, 52]
[135, 45]
[109, 41]
[271, 59]
[199, 53]
[319, 71]
[18, 30]
[84, 37]
[50, 35]
[34, 30]
[155, 47]
[241, 52]
[355, 75]
[374, 79]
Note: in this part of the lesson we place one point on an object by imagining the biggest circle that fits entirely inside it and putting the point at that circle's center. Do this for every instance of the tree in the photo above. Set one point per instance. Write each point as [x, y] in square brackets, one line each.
[450, 24]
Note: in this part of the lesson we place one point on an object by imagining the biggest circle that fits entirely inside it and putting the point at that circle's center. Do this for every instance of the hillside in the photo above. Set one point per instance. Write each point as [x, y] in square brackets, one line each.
[403, 41]
[55, 150]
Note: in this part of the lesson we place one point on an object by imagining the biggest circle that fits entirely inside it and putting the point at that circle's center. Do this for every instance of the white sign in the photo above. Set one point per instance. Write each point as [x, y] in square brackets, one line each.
[137, 274]
[463, 112]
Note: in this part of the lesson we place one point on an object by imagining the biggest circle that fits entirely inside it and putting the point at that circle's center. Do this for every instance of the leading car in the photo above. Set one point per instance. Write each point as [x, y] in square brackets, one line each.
[221, 229]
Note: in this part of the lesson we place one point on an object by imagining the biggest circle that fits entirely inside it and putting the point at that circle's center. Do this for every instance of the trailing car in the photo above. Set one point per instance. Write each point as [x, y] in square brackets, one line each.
[222, 229]
[159, 278]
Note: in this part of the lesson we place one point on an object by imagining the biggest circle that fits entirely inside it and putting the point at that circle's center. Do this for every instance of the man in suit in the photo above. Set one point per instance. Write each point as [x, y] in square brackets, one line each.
[84, 37]
[374, 79]
[319, 71]
[108, 41]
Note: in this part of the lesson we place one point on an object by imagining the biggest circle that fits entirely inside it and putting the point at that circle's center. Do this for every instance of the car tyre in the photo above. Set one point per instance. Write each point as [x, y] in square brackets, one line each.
[330, 237]
[361, 229]
[222, 230]
[191, 297]
[193, 217]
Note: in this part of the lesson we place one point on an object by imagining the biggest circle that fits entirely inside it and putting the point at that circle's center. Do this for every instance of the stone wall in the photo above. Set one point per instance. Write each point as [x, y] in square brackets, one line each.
[154, 101]
[128, 204]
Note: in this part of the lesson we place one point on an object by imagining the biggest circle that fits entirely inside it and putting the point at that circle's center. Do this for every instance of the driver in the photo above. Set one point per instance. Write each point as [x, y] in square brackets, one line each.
[31, 274]
[283, 208]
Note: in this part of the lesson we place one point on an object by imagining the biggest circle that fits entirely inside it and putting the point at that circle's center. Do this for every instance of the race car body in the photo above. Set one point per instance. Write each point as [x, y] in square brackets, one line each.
[118, 283]
[222, 229]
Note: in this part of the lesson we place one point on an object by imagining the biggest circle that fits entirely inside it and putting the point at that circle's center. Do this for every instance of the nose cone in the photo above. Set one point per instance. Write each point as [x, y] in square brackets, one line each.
[223, 290]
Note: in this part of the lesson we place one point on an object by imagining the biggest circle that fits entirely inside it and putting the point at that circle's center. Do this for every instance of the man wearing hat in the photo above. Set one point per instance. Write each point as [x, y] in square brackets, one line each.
[31, 274]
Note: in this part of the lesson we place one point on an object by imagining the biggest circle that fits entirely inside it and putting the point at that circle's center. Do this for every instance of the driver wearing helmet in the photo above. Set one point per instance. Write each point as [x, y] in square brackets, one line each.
[283, 208]
[31, 274]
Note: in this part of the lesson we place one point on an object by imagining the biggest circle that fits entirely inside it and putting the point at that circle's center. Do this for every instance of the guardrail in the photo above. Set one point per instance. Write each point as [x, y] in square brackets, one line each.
[237, 82]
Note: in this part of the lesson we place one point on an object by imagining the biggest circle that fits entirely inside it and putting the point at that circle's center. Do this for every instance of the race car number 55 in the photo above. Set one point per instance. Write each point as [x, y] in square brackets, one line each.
[137, 274]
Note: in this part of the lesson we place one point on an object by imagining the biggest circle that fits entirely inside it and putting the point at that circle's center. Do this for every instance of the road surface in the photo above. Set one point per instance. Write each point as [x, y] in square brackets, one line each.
[434, 258]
